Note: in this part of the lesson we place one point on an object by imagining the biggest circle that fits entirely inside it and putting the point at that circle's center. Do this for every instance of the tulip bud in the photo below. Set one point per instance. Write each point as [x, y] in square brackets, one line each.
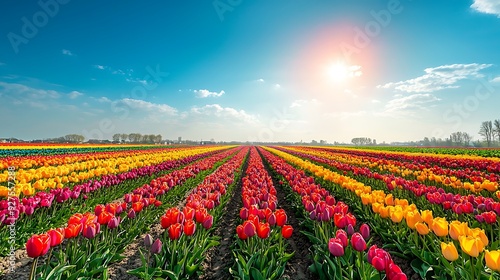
[131, 214]
[148, 240]
[365, 231]
[358, 243]
[156, 247]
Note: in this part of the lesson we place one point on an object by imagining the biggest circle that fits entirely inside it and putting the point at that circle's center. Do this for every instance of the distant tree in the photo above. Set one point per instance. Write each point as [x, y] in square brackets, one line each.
[74, 138]
[486, 130]
[467, 138]
[158, 139]
[116, 137]
[496, 130]
[124, 137]
[426, 141]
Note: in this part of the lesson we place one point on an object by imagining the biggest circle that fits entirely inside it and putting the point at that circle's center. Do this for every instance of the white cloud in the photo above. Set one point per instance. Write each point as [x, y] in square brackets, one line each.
[303, 102]
[496, 80]
[224, 112]
[487, 7]
[277, 86]
[420, 101]
[100, 67]
[204, 93]
[22, 91]
[104, 99]
[74, 94]
[375, 101]
[438, 78]
[67, 52]
[260, 80]
[150, 107]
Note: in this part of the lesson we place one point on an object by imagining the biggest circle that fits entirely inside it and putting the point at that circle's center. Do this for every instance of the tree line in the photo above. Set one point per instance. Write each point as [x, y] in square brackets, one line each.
[490, 130]
[137, 138]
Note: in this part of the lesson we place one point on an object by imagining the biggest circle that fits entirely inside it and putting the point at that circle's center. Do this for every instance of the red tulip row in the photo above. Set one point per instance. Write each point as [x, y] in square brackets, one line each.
[329, 217]
[88, 224]
[263, 229]
[486, 209]
[181, 248]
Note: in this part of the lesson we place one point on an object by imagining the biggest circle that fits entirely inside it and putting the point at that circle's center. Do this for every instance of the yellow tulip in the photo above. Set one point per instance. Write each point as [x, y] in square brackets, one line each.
[389, 199]
[396, 214]
[457, 229]
[440, 226]
[427, 216]
[422, 228]
[412, 218]
[471, 245]
[449, 251]
[477, 232]
[493, 259]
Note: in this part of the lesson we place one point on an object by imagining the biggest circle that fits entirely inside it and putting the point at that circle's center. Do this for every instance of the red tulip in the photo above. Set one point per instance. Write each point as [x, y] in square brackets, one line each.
[263, 230]
[378, 258]
[75, 219]
[98, 209]
[335, 247]
[56, 236]
[200, 214]
[342, 235]
[208, 221]
[249, 228]
[188, 213]
[339, 220]
[281, 217]
[243, 213]
[189, 227]
[241, 232]
[393, 271]
[38, 245]
[104, 217]
[358, 243]
[175, 231]
[137, 206]
[286, 231]
[72, 230]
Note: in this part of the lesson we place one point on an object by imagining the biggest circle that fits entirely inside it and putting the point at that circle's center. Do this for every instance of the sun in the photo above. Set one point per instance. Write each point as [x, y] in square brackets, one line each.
[340, 72]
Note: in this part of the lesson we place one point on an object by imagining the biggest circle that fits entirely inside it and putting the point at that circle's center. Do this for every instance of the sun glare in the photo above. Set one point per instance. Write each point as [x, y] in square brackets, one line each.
[339, 72]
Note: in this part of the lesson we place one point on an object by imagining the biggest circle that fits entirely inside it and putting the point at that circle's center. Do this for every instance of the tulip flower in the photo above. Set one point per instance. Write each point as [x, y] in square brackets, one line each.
[56, 236]
[137, 206]
[471, 245]
[342, 235]
[148, 240]
[90, 230]
[208, 221]
[492, 259]
[156, 247]
[427, 216]
[271, 219]
[440, 226]
[286, 231]
[358, 243]
[412, 218]
[38, 245]
[281, 217]
[457, 229]
[249, 228]
[477, 232]
[378, 258]
[244, 213]
[263, 230]
[364, 229]
[449, 251]
[175, 231]
[114, 222]
[189, 227]
[241, 232]
[350, 230]
[131, 214]
[72, 230]
[104, 217]
[422, 228]
[393, 271]
[335, 247]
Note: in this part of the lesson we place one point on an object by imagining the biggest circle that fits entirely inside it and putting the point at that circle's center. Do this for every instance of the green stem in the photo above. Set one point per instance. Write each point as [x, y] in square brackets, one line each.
[33, 269]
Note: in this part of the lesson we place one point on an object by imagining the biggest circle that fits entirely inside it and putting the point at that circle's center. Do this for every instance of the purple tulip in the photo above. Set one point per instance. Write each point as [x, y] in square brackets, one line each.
[148, 240]
[156, 247]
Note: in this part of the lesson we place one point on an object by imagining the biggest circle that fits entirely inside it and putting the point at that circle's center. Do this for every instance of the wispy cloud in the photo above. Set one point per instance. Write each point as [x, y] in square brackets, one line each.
[438, 78]
[407, 104]
[487, 7]
[204, 93]
[302, 102]
[67, 52]
[150, 107]
[74, 94]
[224, 112]
[496, 80]
[100, 67]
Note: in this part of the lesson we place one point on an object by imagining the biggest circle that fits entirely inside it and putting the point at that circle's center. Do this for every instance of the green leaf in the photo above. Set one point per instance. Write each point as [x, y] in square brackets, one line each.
[420, 267]
[256, 274]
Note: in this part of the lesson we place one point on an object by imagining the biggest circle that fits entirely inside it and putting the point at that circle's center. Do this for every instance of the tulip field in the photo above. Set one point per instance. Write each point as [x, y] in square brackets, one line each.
[248, 212]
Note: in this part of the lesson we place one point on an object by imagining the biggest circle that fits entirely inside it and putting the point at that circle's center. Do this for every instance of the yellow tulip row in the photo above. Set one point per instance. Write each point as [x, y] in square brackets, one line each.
[28, 182]
[420, 175]
[472, 240]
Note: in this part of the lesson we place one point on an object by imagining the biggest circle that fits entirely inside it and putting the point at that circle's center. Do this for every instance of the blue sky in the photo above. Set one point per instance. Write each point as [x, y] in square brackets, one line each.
[249, 70]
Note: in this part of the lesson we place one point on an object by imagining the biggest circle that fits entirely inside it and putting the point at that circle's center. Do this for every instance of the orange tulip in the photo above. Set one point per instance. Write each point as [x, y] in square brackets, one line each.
[440, 226]
[493, 259]
[412, 218]
[477, 232]
[422, 228]
[396, 214]
[449, 251]
[427, 216]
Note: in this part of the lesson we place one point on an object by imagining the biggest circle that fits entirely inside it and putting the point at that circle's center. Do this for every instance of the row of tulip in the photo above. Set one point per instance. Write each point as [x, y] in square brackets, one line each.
[260, 250]
[178, 253]
[485, 209]
[417, 224]
[467, 178]
[332, 224]
[124, 221]
[445, 160]
[30, 181]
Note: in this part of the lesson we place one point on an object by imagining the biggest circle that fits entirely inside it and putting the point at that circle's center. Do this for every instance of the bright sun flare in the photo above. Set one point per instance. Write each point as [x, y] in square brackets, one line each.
[340, 72]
